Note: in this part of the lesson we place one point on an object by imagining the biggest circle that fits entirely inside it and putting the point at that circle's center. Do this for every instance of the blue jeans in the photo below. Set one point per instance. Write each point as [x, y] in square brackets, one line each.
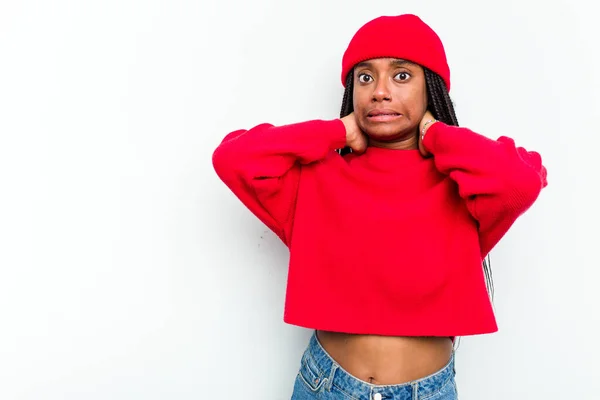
[320, 377]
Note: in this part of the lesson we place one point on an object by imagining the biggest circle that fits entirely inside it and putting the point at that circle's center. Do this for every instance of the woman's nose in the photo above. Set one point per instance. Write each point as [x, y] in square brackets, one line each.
[381, 92]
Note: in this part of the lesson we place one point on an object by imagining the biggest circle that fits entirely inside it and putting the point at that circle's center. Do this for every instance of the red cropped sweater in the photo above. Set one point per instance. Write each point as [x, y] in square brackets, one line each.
[386, 242]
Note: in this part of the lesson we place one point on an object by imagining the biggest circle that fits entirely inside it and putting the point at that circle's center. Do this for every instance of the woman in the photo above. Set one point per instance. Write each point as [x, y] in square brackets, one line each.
[388, 212]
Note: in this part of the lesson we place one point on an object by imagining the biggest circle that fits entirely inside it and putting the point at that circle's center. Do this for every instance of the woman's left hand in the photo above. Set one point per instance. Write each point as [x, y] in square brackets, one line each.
[427, 117]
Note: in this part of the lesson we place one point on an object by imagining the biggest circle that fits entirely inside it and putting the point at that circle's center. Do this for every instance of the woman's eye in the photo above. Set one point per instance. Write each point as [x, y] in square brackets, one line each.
[364, 78]
[402, 76]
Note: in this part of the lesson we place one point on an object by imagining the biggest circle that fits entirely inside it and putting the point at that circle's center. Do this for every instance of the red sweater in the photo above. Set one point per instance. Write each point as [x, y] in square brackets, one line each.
[387, 242]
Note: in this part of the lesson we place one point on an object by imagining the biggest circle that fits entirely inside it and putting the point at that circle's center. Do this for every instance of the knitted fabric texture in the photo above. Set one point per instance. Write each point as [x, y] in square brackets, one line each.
[404, 36]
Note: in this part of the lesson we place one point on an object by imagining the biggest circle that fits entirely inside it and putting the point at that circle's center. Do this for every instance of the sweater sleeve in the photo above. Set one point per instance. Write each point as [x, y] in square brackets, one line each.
[498, 180]
[261, 166]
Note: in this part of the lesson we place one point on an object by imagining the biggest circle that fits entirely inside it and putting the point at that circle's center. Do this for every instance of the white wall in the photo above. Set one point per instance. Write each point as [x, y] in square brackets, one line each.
[128, 271]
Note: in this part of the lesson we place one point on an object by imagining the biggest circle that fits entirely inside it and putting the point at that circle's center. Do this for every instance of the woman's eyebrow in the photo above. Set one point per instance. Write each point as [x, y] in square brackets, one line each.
[398, 62]
[402, 63]
[364, 64]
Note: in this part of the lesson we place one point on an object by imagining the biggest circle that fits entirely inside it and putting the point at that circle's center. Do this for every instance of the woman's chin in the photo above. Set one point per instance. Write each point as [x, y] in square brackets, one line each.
[386, 131]
[384, 135]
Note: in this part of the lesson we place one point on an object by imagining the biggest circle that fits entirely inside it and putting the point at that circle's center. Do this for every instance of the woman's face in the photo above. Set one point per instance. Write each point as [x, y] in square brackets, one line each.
[390, 98]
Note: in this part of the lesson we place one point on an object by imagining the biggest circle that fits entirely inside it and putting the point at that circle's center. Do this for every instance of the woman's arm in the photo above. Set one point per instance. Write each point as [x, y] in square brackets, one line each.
[261, 166]
[498, 180]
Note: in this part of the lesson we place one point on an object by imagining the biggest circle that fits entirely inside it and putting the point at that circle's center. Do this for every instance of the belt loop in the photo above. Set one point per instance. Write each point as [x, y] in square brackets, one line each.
[415, 391]
[329, 382]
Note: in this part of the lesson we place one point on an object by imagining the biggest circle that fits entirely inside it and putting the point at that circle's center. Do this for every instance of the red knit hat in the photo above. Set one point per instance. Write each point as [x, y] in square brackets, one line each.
[404, 36]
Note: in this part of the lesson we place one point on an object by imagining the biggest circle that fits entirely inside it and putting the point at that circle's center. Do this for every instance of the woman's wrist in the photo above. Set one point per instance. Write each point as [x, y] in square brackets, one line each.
[428, 124]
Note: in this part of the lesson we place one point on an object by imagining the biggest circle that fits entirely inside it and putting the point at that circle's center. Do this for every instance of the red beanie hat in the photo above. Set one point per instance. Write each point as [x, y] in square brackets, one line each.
[404, 36]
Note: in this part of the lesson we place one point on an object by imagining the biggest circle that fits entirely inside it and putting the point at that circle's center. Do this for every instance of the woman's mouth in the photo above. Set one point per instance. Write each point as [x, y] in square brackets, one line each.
[383, 115]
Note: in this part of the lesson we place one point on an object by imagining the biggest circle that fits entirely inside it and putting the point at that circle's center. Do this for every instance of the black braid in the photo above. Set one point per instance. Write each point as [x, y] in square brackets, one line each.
[439, 101]
[442, 108]
[347, 104]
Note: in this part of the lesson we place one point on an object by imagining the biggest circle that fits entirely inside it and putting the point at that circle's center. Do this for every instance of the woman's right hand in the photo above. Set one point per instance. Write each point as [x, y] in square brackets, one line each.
[355, 138]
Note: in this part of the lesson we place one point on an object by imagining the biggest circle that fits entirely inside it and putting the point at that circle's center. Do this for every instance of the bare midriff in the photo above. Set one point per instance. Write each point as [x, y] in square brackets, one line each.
[387, 360]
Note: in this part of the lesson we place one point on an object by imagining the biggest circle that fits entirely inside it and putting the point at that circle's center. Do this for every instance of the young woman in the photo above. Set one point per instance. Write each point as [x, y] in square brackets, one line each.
[388, 213]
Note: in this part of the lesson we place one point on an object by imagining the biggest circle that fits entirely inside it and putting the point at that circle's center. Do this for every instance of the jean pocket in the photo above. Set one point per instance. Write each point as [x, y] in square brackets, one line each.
[310, 374]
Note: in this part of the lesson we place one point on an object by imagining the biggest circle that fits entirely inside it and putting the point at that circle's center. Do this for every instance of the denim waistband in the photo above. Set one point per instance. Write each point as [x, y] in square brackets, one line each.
[321, 369]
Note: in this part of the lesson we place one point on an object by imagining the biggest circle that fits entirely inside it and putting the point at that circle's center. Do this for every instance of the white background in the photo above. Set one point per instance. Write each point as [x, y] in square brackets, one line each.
[128, 270]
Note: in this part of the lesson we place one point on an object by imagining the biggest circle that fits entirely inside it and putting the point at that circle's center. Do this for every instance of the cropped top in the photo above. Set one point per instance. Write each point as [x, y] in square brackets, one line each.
[387, 242]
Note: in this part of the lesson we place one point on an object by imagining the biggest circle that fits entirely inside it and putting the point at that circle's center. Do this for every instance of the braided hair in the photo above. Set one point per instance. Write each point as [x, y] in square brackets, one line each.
[442, 108]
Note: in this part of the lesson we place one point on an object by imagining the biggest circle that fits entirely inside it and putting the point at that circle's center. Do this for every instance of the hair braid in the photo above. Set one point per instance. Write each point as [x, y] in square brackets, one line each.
[442, 108]
[347, 105]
